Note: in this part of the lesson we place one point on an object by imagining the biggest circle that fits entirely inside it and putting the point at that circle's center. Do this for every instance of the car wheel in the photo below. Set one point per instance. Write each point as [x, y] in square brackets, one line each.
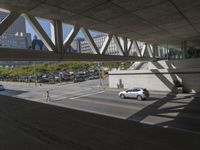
[122, 96]
[139, 98]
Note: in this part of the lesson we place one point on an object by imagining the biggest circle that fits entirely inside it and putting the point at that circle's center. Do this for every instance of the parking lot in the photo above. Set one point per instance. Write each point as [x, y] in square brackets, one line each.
[162, 109]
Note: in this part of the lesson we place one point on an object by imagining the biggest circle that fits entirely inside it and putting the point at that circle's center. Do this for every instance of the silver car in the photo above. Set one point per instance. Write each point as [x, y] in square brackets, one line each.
[1, 87]
[139, 93]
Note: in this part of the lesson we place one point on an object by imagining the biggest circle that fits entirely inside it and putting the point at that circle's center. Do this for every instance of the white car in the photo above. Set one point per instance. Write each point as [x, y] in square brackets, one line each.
[2, 87]
[139, 93]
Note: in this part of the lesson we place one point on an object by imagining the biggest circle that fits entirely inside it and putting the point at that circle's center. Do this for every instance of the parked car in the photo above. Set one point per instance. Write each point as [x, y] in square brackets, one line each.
[93, 77]
[139, 93]
[79, 79]
[2, 87]
[23, 79]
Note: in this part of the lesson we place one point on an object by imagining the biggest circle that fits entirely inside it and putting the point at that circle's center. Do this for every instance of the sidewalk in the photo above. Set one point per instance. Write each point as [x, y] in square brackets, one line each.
[196, 95]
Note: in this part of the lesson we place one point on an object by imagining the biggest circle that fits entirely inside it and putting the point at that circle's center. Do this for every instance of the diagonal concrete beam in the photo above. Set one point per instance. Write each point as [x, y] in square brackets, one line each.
[119, 46]
[106, 43]
[90, 40]
[130, 46]
[137, 50]
[143, 49]
[147, 48]
[6, 22]
[71, 37]
[150, 50]
[43, 35]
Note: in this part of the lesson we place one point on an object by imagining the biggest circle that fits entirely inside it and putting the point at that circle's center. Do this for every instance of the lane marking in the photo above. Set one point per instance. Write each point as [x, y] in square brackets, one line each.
[87, 95]
[110, 104]
[53, 97]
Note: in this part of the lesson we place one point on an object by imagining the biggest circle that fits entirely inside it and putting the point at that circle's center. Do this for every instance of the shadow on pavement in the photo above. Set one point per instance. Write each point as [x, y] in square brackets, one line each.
[31, 125]
[178, 112]
[188, 115]
[148, 99]
[12, 92]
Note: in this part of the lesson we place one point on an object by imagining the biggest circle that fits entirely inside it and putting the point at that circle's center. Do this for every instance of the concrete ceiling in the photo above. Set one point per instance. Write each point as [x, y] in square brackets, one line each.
[154, 21]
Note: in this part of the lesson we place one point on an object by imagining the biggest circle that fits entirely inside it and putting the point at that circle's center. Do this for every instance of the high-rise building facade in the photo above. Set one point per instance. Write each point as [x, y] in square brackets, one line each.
[80, 45]
[15, 36]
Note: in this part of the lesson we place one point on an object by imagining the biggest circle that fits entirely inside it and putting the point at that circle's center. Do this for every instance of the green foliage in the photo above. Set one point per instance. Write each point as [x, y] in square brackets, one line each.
[30, 70]
[111, 64]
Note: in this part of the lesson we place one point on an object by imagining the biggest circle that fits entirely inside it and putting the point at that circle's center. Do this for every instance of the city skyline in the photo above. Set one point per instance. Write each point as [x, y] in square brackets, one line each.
[66, 29]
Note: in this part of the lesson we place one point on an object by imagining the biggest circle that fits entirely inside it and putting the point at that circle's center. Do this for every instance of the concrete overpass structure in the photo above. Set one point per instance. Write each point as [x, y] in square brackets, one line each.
[154, 22]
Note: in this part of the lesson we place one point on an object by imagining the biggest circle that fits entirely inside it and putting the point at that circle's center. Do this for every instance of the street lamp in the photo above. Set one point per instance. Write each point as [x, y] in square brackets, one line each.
[35, 74]
[99, 70]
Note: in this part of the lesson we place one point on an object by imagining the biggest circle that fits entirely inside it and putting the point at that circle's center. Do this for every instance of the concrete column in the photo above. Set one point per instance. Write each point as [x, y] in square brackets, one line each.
[155, 50]
[161, 52]
[125, 46]
[58, 33]
[183, 49]
[166, 51]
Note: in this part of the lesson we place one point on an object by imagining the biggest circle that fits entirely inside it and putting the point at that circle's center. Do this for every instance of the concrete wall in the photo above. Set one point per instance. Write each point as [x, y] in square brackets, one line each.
[145, 79]
[160, 79]
[175, 64]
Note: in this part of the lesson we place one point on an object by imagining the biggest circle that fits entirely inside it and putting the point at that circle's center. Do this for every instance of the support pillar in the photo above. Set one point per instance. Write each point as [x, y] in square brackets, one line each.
[125, 46]
[183, 49]
[58, 37]
[155, 50]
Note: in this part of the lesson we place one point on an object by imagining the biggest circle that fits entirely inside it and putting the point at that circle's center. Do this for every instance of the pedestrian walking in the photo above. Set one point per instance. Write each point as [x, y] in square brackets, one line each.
[48, 97]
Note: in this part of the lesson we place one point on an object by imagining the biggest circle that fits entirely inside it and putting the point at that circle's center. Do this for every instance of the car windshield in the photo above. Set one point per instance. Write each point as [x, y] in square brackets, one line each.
[129, 90]
[145, 90]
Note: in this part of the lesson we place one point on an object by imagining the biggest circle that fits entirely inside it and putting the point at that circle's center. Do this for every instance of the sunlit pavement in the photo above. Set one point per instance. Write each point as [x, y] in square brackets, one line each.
[169, 111]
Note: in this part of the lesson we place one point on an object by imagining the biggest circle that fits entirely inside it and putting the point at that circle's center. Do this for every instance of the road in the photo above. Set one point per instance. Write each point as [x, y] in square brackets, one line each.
[171, 111]
[31, 125]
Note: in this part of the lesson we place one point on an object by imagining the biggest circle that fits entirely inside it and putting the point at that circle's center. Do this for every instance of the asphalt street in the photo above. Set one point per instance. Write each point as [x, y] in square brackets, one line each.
[169, 111]
[29, 125]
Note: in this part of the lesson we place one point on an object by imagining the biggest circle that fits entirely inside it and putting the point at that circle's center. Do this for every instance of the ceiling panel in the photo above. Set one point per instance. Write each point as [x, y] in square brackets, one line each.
[50, 12]
[105, 12]
[160, 14]
[19, 5]
[133, 5]
[150, 20]
[76, 6]
[81, 21]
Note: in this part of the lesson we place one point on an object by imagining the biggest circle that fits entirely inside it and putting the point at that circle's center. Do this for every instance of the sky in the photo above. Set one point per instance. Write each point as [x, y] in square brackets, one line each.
[46, 26]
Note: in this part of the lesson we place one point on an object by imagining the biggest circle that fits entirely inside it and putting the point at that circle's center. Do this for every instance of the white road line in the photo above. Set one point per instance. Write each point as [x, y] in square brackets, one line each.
[87, 95]
[53, 97]
[111, 104]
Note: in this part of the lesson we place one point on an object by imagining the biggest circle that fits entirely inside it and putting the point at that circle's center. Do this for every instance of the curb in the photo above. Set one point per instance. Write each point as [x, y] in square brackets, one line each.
[196, 95]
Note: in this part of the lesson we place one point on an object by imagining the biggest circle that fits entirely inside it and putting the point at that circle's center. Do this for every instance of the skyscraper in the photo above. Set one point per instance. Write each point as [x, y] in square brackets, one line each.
[15, 36]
